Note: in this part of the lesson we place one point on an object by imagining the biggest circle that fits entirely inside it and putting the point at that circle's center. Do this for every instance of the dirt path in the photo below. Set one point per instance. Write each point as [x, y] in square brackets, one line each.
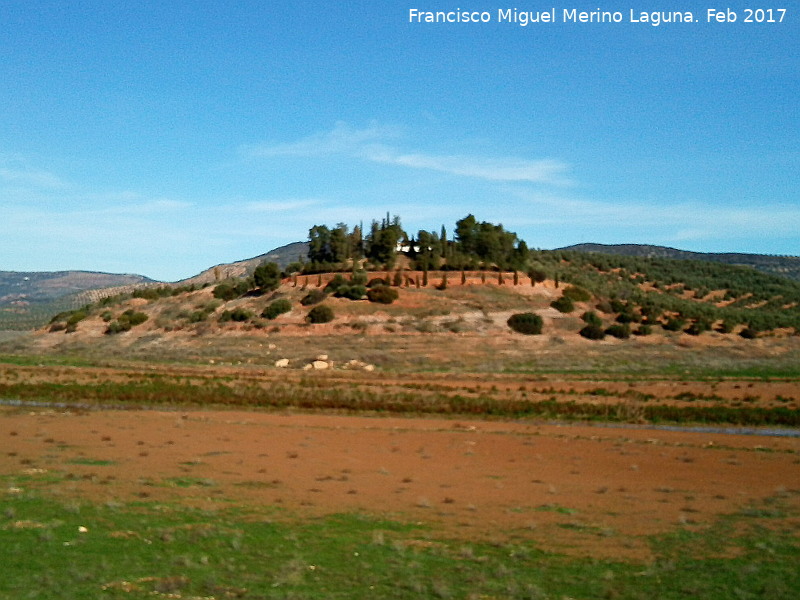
[578, 489]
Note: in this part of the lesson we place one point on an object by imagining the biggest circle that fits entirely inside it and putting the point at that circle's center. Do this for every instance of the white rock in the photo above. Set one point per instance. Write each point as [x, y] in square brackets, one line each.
[307, 367]
[322, 357]
[282, 363]
[369, 368]
[320, 364]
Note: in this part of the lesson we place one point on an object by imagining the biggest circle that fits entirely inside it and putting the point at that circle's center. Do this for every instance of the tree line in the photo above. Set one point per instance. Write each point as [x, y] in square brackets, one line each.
[475, 244]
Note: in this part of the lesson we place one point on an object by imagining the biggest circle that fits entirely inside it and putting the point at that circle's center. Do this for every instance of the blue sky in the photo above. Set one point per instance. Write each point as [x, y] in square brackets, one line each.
[162, 138]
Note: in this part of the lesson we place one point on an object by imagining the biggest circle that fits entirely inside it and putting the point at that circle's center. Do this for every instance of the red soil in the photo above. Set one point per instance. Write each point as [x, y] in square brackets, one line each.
[586, 490]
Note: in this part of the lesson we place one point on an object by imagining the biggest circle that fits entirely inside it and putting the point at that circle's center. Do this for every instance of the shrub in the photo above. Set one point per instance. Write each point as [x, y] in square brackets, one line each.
[563, 305]
[239, 315]
[320, 314]
[294, 267]
[674, 324]
[376, 281]
[698, 327]
[197, 316]
[527, 323]
[116, 327]
[628, 316]
[228, 290]
[126, 321]
[203, 311]
[619, 330]
[590, 318]
[313, 297]
[748, 333]
[60, 316]
[337, 282]
[726, 326]
[276, 309]
[224, 291]
[351, 292]
[605, 307]
[382, 294]
[133, 317]
[617, 305]
[537, 275]
[593, 332]
[650, 312]
[76, 317]
[643, 330]
[267, 276]
[577, 294]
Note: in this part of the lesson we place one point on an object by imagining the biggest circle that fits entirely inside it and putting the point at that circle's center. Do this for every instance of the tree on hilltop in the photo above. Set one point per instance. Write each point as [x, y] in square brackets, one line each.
[382, 241]
[267, 276]
[490, 243]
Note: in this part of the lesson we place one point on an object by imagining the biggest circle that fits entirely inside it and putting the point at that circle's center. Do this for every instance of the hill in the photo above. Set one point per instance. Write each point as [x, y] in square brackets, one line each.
[785, 266]
[759, 291]
[580, 300]
[283, 256]
[28, 299]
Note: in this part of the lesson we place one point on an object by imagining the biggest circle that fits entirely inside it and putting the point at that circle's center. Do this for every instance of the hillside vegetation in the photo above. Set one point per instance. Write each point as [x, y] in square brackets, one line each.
[786, 266]
[484, 282]
[28, 300]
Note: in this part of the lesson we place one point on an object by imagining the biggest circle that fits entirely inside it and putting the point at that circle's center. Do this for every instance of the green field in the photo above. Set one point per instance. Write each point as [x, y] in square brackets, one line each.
[52, 548]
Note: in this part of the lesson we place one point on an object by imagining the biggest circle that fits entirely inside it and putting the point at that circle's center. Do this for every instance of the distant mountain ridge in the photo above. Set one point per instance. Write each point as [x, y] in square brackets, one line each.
[28, 297]
[37, 286]
[283, 256]
[785, 266]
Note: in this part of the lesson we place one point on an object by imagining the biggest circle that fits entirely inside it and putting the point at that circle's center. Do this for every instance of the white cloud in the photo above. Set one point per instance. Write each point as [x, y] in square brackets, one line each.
[546, 171]
[286, 205]
[141, 206]
[370, 144]
[342, 139]
[26, 176]
[677, 222]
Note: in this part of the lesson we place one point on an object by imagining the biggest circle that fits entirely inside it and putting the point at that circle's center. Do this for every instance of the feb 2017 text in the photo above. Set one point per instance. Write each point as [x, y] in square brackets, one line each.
[523, 18]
